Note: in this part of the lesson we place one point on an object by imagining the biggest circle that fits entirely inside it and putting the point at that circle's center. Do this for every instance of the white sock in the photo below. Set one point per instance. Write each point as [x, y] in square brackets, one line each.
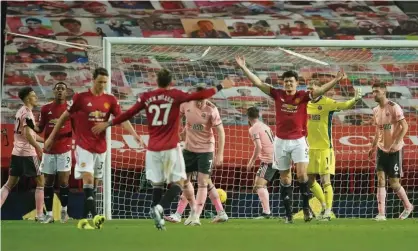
[49, 213]
[64, 208]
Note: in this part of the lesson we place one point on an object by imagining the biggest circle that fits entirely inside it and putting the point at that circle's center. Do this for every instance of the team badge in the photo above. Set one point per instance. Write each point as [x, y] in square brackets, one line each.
[297, 100]
[83, 164]
[319, 107]
[106, 105]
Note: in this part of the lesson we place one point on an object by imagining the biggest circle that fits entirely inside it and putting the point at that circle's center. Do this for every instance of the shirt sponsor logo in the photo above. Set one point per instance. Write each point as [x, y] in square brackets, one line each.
[289, 108]
[106, 105]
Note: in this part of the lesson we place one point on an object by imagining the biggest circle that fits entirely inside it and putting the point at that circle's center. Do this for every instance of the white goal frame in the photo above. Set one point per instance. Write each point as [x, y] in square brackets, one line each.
[107, 56]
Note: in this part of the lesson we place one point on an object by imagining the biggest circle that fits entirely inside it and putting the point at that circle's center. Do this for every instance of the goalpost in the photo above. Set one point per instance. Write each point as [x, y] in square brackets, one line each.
[133, 63]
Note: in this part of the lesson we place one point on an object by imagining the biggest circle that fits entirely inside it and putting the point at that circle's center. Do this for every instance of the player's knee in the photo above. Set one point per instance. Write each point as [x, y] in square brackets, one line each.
[88, 178]
[311, 179]
[302, 177]
[256, 187]
[381, 182]
[325, 179]
[40, 181]
[285, 180]
[202, 181]
[11, 182]
[394, 184]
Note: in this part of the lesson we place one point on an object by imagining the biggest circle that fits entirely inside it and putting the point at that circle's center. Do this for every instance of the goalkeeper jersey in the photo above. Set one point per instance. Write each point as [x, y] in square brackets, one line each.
[320, 113]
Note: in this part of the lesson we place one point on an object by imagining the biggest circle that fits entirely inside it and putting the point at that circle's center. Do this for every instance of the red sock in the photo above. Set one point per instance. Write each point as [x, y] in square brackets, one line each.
[3, 194]
[202, 193]
[214, 198]
[263, 194]
[39, 201]
[381, 200]
[404, 197]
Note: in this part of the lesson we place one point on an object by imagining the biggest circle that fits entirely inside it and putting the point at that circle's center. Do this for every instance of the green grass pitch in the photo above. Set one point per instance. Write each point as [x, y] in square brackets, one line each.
[240, 235]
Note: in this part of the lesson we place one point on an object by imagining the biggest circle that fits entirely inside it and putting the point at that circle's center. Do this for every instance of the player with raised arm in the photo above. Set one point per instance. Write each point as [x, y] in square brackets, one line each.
[200, 117]
[92, 107]
[290, 140]
[26, 152]
[391, 128]
[263, 137]
[57, 160]
[321, 152]
[164, 161]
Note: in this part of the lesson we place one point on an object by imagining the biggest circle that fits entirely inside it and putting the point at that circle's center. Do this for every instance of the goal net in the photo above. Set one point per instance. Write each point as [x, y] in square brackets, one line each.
[135, 62]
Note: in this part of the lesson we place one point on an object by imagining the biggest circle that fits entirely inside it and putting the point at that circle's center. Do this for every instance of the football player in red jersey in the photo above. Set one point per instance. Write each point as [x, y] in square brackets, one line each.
[92, 107]
[56, 160]
[164, 159]
[290, 141]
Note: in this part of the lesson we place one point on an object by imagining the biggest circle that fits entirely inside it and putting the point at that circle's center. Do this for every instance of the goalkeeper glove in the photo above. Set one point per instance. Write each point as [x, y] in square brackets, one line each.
[29, 122]
[358, 95]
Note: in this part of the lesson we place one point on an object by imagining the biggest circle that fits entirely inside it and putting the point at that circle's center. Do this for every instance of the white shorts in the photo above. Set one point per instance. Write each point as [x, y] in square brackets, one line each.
[288, 150]
[88, 162]
[165, 166]
[53, 163]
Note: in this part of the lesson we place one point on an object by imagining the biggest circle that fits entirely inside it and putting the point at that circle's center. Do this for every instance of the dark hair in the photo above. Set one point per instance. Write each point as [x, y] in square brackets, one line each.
[33, 19]
[163, 78]
[60, 83]
[100, 71]
[379, 85]
[253, 113]
[24, 92]
[289, 74]
[200, 88]
[69, 20]
[204, 21]
[57, 73]
[76, 38]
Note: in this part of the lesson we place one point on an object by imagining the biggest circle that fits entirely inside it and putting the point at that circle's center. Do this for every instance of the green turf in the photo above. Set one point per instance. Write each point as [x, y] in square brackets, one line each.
[240, 235]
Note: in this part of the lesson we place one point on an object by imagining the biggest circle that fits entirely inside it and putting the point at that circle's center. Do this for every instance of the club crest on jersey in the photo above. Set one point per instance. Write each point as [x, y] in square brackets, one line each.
[297, 100]
[83, 164]
[106, 105]
[319, 107]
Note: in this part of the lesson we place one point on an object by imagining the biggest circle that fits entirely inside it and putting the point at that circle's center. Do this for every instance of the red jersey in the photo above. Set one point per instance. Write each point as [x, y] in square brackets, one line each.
[162, 107]
[50, 113]
[91, 109]
[291, 114]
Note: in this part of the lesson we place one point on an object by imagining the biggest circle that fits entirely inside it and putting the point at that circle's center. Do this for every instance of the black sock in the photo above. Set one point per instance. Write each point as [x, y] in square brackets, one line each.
[286, 197]
[89, 202]
[304, 192]
[48, 197]
[157, 193]
[64, 190]
[169, 196]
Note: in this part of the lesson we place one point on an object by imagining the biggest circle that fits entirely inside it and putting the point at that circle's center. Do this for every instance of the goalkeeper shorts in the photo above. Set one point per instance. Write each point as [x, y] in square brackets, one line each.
[321, 161]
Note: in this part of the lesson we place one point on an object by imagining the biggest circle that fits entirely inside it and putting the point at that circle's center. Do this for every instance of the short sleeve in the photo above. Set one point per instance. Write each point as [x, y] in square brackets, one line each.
[254, 134]
[275, 93]
[216, 118]
[398, 113]
[115, 107]
[74, 105]
[305, 96]
[25, 114]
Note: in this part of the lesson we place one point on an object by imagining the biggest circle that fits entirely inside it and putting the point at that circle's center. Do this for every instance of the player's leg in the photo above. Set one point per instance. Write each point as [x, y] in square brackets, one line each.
[48, 169]
[15, 171]
[64, 164]
[31, 167]
[300, 156]
[313, 170]
[204, 165]
[187, 194]
[394, 174]
[381, 185]
[84, 170]
[264, 174]
[213, 194]
[328, 194]
[286, 193]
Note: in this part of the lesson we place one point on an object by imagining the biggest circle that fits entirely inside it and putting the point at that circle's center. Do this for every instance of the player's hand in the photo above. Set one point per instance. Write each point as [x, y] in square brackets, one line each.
[392, 148]
[371, 151]
[250, 164]
[99, 127]
[227, 83]
[358, 95]
[29, 122]
[219, 160]
[240, 61]
[39, 152]
[140, 142]
[48, 144]
[340, 75]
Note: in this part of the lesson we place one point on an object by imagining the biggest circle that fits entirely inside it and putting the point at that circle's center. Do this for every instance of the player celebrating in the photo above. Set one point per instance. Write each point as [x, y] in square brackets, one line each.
[321, 153]
[91, 107]
[290, 142]
[390, 130]
[201, 116]
[164, 160]
[262, 136]
[58, 158]
[26, 152]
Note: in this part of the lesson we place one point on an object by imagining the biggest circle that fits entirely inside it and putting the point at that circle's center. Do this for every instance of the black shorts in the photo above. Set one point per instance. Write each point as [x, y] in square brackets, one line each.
[24, 166]
[266, 171]
[390, 163]
[198, 162]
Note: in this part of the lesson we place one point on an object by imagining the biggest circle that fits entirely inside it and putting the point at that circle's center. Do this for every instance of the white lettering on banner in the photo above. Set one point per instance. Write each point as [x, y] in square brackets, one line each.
[414, 140]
